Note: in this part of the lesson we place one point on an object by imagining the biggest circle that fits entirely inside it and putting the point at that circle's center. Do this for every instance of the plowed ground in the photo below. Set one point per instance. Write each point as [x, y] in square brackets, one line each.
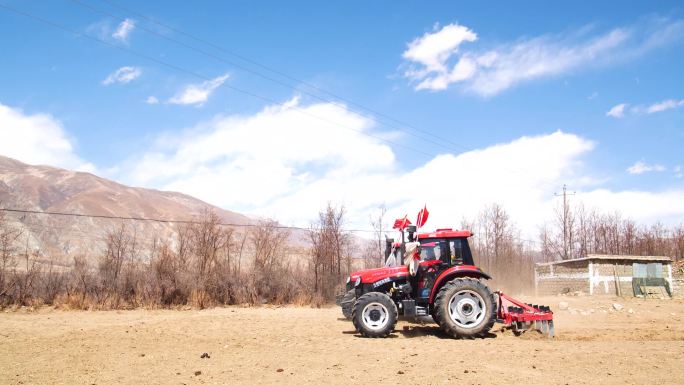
[302, 345]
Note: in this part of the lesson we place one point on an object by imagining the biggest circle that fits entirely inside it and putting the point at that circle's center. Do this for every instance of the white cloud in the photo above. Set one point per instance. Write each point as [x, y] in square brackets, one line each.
[678, 172]
[617, 111]
[641, 167]
[198, 93]
[435, 60]
[643, 206]
[37, 139]
[124, 30]
[152, 100]
[123, 75]
[248, 161]
[283, 164]
[620, 110]
[664, 105]
[433, 49]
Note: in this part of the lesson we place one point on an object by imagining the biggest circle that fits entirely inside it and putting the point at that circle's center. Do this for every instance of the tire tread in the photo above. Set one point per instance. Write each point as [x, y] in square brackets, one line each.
[441, 306]
[383, 298]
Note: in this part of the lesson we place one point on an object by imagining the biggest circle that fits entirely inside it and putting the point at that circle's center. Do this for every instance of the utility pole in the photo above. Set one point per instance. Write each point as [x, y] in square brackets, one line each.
[566, 212]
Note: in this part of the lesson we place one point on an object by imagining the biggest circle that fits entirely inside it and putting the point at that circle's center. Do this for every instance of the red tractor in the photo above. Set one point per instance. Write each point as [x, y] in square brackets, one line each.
[442, 282]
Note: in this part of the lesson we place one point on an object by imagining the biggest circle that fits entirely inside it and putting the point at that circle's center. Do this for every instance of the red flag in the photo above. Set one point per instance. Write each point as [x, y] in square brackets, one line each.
[422, 217]
[401, 224]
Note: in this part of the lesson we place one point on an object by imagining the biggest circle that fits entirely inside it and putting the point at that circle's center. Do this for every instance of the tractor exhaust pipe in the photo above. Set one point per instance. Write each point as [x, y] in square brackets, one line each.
[411, 233]
[388, 247]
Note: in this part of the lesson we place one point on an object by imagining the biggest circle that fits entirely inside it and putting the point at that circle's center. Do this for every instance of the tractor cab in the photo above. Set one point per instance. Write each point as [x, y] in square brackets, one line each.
[446, 245]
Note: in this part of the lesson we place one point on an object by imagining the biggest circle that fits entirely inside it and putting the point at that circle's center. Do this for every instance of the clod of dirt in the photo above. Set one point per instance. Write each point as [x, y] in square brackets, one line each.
[465, 371]
[142, 354]
[205, 355]
[198, 372]
[279, 370]
[563, 305]
[400, 372]
[617, 306]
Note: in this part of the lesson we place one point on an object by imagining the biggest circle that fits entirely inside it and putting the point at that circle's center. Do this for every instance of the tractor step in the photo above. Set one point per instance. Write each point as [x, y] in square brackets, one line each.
[521, 317]
[410, 309]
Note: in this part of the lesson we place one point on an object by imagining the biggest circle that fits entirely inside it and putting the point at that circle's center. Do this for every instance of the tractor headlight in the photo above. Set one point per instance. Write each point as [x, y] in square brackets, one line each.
[358, 281]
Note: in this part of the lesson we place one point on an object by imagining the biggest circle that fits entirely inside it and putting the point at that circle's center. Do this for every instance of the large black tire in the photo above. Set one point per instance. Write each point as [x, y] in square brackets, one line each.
[374, 315]
[347, 303]
[465, 308]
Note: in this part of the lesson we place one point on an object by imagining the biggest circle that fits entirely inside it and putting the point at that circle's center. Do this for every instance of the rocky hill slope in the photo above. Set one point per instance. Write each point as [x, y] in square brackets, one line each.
[44, 188]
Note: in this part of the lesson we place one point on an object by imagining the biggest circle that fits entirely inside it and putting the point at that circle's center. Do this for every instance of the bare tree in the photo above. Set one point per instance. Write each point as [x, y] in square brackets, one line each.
[374, 257]
[26, 277]
[118, 246]
[82, 279]
[329, 241]
[268, 242]
[209, 243]
[8, 248]
[497, 248]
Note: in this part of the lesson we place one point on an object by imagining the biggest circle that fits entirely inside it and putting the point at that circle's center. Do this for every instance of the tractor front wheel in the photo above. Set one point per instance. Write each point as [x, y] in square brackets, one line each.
[374, 315]
[347, 303]
[465, 308]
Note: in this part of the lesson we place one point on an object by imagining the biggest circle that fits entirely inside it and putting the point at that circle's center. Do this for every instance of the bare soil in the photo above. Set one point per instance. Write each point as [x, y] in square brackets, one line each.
[301, 345]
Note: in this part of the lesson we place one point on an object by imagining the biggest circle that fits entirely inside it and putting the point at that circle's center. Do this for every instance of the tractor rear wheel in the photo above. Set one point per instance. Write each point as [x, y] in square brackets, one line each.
[347, 303]
[374, 315]
[465, 308]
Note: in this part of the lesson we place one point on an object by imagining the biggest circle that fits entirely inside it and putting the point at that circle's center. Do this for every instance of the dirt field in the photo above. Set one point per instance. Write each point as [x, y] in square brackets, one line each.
[301, 345]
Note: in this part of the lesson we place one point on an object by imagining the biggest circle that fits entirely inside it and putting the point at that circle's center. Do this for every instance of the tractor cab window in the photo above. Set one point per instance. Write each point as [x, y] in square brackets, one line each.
[456, 249]
[430, 251]
[459, 252]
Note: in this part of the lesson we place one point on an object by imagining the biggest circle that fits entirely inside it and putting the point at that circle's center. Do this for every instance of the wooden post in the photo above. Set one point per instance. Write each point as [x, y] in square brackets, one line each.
[616, 277]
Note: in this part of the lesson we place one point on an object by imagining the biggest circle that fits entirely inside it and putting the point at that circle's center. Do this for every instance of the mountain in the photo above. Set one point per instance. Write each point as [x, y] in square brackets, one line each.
[44, 188]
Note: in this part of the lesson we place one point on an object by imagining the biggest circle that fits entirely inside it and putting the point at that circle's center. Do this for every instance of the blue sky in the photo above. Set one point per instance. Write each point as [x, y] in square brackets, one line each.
[483, 76]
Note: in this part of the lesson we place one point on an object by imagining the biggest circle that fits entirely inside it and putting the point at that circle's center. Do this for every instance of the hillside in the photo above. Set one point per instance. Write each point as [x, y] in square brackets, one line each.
[44, 188]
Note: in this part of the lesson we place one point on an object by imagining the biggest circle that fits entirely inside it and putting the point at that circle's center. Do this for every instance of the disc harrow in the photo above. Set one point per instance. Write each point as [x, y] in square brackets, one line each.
[521, 317]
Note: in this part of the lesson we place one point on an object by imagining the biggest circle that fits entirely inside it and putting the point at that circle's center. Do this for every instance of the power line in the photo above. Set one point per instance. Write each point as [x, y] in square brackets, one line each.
[402, 125]
[269, 69]
[195, 74]
[162, 220]
[240, 90]
[440, 143]
[203, 77]
[180, 221]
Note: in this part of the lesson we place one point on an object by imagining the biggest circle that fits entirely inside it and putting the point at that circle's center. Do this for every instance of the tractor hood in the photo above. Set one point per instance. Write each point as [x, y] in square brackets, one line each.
[374, 275]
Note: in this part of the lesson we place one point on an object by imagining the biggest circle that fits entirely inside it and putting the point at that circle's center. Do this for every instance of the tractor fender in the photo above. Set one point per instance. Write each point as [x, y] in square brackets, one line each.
[456, 272]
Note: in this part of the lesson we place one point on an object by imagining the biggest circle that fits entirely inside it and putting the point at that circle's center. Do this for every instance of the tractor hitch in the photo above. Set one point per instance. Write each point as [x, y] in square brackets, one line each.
[522, 317]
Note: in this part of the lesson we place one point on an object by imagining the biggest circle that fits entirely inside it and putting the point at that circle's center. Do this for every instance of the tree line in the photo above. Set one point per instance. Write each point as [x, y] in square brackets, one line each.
[206, 264]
